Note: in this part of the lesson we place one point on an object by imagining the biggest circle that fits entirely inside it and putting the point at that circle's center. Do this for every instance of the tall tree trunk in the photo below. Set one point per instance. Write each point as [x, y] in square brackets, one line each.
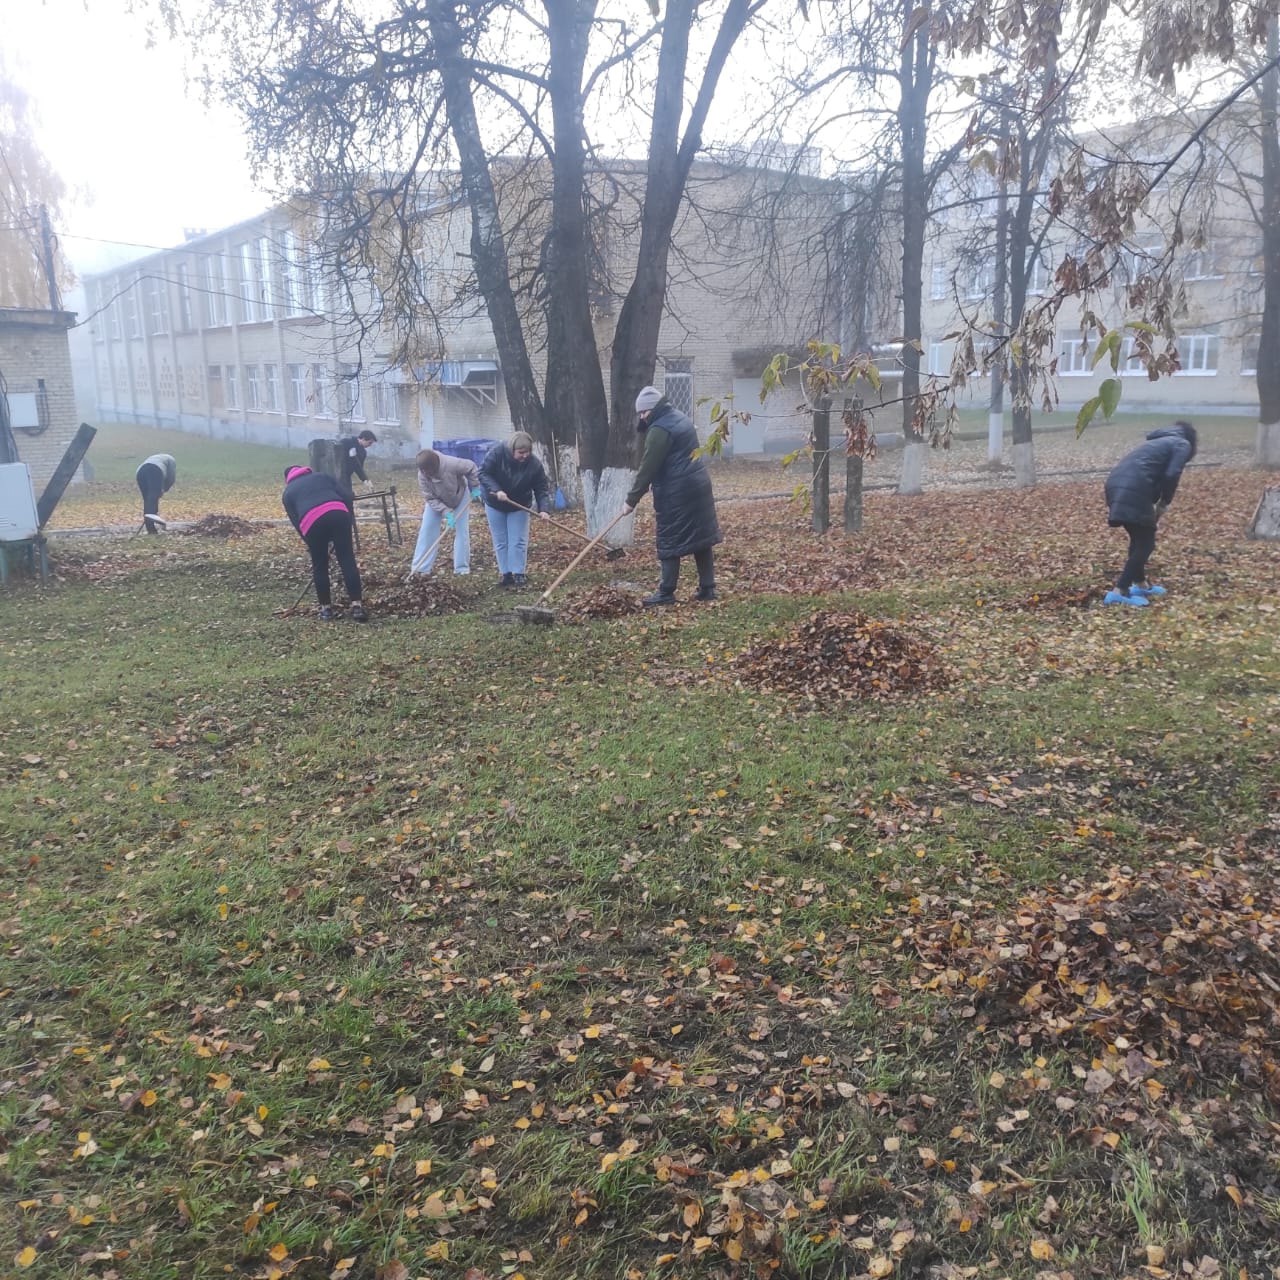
[575, 382]
[995, 409]
[1024, 246]
[607, 450]
[915, 80]
[1267, 453]
[488, 244]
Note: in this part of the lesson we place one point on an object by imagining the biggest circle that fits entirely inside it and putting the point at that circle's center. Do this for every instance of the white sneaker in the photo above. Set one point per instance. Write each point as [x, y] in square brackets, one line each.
[461, 573]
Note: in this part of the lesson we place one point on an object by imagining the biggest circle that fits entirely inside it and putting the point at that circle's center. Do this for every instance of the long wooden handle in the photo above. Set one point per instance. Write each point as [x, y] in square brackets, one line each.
[555, 524]
[573, 564]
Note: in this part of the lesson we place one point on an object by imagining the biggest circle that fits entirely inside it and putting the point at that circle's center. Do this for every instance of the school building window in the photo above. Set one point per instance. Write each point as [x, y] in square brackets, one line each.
[252, 387]
[271, 388]
[231, 386]
[1073, 359]
[213, 383]
[677, 384]
[297, 388]
[1198, 355]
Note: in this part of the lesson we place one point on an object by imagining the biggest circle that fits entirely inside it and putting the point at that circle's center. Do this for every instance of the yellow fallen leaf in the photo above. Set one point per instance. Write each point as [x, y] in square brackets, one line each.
[421, 1168]
[26, 1257]
[880, 1266]
[1236, 1198]
[148, 1098]
[733, 1249]
[278, 1251]
[318, 1064]
[457, 1069]
[1041, 1250]
[438, 1252]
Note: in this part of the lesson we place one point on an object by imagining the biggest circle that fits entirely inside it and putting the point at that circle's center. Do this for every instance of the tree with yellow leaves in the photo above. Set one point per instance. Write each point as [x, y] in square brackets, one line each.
[28, 185]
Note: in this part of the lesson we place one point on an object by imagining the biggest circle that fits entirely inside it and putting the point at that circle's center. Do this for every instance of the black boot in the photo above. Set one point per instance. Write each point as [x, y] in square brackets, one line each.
[706, 593]
[659, 597]
[508, 580]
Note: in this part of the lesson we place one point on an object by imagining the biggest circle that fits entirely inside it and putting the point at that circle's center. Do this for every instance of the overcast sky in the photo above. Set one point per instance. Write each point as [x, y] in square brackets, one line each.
[142, 158]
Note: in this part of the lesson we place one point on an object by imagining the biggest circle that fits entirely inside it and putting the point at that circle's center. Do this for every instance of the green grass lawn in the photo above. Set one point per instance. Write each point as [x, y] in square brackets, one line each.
[451, 947]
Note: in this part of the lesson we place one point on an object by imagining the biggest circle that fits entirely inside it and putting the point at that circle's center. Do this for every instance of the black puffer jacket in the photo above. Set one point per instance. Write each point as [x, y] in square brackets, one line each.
[684, 507]
[309, 490]
[525, 481]
[1148, 475]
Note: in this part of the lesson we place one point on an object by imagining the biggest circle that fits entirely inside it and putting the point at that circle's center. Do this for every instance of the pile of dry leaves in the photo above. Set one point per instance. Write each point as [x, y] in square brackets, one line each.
[842, 655]
[600, 602]
[391, 597]
[1183, 963]
[218, 525]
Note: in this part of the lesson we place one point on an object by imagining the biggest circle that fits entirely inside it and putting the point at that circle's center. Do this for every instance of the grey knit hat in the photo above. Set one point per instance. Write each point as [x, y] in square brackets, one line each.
[648, 397]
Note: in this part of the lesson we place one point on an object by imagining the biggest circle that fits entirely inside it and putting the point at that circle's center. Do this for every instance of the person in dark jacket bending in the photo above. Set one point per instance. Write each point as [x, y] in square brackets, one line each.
[1138, 491]
[321, 512]
[354, 450]
[155, 476]
[683, 504]
[511, 478]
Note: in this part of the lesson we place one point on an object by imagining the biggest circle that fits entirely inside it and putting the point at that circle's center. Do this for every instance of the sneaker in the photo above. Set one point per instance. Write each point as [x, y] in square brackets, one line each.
[521, 580]
[325, 614]
[358, 613]
[508, 580]
[1118, 597]
[461, 573]
[705, 593]
[1148, 589]
[658, 598]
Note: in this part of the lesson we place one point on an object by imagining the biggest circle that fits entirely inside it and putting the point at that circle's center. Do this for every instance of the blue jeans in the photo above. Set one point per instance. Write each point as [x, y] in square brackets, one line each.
[432, 521]
[510, 530]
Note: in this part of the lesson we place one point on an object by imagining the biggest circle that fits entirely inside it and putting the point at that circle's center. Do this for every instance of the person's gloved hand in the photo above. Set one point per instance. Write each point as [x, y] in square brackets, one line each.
[477, 494]
[450, 519]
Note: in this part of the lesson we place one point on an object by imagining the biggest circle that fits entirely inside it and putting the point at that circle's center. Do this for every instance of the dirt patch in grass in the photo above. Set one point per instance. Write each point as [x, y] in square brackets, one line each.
[843, 655]
[1058, 599]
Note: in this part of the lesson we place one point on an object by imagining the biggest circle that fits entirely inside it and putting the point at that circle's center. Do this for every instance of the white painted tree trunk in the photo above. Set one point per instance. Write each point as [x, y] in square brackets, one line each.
[603, 497]
[1024, 465]
[1267, 452]
[913, 456]
[995, 438]
[566, 471]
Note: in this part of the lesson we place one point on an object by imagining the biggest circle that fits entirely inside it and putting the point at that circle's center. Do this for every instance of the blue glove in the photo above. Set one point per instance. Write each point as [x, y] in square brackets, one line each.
[450, 520]
[477, 494]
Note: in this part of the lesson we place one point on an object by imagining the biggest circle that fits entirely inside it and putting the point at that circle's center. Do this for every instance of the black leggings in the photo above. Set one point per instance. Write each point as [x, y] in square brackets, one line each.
[151, 484]
[333, 529]
[1142, 542]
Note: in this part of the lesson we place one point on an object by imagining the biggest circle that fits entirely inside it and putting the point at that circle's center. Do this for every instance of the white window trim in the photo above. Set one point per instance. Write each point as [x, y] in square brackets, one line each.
[1206, 338]
[1077, 348]
[1251, 341]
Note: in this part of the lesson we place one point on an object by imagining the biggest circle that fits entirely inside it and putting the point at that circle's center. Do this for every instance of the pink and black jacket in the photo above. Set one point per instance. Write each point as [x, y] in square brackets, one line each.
[308, 495]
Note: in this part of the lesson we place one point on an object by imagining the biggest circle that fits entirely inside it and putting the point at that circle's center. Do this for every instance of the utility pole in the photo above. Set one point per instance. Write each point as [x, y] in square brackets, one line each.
[50, 272]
